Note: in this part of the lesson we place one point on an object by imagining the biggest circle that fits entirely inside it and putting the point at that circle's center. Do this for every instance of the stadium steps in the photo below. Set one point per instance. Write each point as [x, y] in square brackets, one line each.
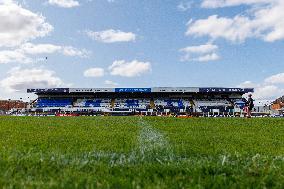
[33, 103]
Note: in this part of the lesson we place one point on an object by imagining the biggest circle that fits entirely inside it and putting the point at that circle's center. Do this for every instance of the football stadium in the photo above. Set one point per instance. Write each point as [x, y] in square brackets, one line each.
[190, 101]
[141, 94]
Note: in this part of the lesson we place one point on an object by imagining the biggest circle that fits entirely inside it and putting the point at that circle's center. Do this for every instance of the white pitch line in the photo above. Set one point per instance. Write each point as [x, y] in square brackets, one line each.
[153, 147]
[152, 144]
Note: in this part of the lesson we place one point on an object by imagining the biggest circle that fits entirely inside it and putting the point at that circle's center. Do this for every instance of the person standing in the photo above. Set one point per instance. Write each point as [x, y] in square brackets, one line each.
[249, 105]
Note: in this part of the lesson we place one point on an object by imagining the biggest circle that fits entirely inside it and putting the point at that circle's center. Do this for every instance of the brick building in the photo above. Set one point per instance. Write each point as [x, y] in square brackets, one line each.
[277, 106]
[278, 103]
[6, 105]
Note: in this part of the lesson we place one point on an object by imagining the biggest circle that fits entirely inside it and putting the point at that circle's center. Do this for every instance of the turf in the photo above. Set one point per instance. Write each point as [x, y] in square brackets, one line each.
[141, 152]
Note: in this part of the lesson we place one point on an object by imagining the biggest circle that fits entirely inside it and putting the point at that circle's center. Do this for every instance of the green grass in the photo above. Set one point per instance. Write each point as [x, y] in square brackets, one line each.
[134, 152]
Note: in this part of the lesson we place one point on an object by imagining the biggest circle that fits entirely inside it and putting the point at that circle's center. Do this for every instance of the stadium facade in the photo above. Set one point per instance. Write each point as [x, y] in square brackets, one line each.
[143, 101]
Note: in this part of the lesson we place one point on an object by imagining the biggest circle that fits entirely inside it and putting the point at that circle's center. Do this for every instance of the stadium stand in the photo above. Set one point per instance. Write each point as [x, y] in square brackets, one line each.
[41, 103]
[146, 101]
[93, 103]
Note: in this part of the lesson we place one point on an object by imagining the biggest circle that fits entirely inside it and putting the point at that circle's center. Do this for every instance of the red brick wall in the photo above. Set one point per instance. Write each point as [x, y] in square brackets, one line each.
[12, 104]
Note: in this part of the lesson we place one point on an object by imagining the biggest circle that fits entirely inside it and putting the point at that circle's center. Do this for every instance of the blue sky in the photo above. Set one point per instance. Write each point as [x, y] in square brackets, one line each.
[141, 43]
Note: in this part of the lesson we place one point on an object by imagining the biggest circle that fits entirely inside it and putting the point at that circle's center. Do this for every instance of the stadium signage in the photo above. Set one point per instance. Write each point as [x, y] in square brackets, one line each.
[226, 90]
[133, 90]
[53, 90]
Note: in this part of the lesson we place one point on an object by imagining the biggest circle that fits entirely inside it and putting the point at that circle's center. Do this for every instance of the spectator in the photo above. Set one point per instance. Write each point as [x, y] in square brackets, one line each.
[249, 105]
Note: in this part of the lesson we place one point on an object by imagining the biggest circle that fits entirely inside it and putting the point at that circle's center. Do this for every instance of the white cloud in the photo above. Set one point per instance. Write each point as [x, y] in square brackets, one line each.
[200, 53]
[64, 3]
[207, 57]
[71, 51]
[184, 5]
[271, 88]
[228, 3]
[19, 80]
[7, 56]
[111, 83]
[25, 51]
[129, 69]
[30, 48]
[268, 92]
[235, 29]
[94, 72]
[263, 91]
[275, 79]
[20, 25]
[247, 84]
[200, 49]
[111, 36]
[264, 20]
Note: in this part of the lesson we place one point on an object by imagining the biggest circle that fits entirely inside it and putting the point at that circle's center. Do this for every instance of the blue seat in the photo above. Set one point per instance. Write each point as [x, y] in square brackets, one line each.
[41, 103]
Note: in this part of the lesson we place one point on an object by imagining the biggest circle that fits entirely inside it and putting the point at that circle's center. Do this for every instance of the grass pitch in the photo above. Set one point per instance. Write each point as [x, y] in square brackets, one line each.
[141, 152]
